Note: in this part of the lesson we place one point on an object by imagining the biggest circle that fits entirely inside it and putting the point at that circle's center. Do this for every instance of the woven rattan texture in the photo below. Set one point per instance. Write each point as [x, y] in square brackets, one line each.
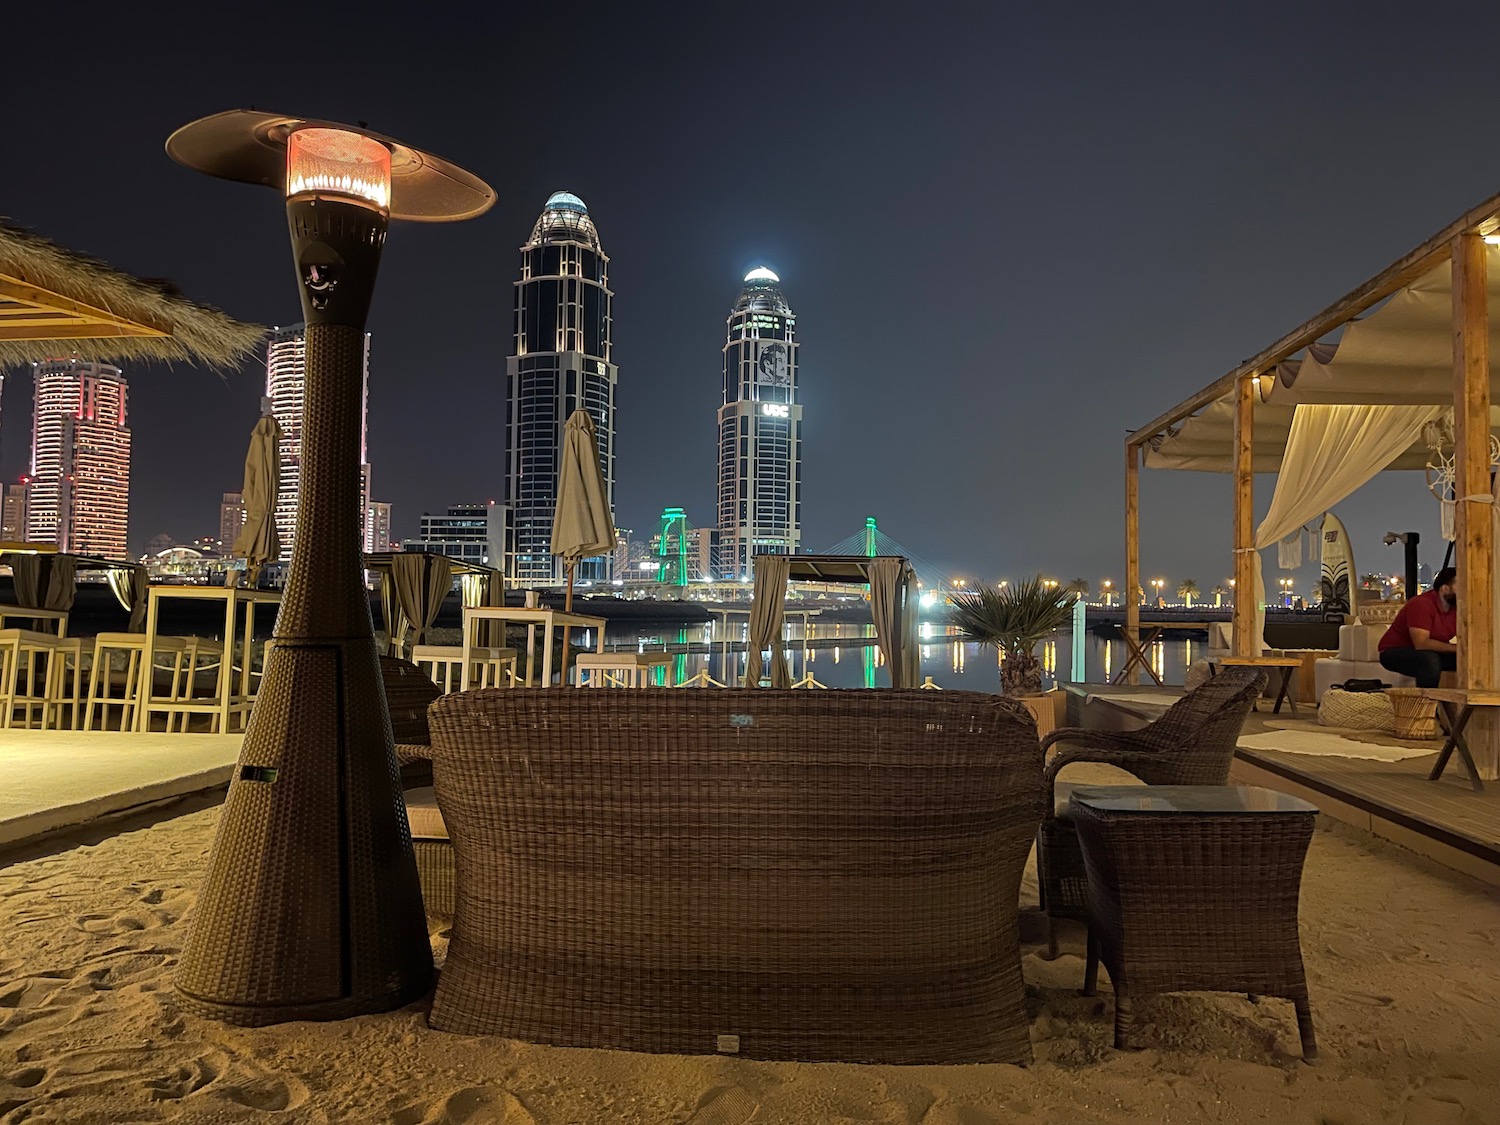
[435, 870]
[1356, 710]
[1185, 902]
[784, 874]
[311, 908]
[1191, 744]
[408, 694]
[1415, 716]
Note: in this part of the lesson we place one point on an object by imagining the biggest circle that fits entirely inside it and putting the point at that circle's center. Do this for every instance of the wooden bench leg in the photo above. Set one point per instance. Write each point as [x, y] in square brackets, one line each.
[1457, 741]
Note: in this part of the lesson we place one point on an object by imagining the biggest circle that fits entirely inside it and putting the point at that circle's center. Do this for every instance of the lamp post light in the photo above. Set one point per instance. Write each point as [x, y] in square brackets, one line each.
[311, 907]
[1157, 584]
[1106, 584]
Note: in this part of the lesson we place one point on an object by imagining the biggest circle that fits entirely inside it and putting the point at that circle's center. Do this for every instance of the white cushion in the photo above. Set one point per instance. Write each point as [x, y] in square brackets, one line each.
[1360, 643]
[423, 815]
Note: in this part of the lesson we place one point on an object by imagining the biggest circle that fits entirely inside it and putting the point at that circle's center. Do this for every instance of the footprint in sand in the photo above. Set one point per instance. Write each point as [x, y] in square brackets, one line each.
[725, 1105]
[32, 992]
[26, 1077]
[472, 1105]
[187, 1078]
[263, 1091]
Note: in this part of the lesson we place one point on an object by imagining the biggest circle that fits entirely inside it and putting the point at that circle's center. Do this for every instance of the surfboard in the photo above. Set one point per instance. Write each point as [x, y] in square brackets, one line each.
[1337, 583]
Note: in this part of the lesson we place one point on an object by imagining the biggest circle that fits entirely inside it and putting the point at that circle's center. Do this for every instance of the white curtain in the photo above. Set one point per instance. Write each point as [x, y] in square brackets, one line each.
[1330, 452]
[391, 616]
[766, 612]
[893, 608]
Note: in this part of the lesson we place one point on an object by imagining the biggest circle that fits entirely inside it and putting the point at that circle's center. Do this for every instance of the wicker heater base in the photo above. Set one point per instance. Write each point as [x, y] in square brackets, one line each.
[310, 908]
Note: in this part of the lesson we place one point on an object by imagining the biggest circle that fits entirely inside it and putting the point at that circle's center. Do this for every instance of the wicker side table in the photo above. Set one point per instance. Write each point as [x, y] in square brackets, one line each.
[1194, 889]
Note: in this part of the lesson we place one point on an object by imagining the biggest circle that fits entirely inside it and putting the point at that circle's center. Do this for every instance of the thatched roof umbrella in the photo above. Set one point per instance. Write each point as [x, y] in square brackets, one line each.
[54, 302]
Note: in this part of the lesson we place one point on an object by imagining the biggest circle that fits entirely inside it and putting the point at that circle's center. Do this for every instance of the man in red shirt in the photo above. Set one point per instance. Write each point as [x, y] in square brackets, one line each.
[1420, 641]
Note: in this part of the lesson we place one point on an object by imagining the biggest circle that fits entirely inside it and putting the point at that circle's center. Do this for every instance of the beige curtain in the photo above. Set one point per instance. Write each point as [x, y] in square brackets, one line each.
[129, 585]
[421, 581]
[62, 582]
[766, 612]
[27, 569]
[891, 605]
[1330, 452]
[391, 616]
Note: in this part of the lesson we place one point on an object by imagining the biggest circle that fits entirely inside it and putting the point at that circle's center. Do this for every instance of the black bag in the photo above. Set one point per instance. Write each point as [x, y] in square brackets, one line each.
[1363, 685]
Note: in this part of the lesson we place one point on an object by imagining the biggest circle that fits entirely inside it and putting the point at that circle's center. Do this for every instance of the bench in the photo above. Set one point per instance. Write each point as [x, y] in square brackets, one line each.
[816, 875]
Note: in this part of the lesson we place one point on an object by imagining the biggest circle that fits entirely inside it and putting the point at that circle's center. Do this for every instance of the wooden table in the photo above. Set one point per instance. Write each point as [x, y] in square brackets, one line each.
[1136, 648]
[547, 620]
[1289, 666]
[226, 702]
[58, 617]
[1457, 705]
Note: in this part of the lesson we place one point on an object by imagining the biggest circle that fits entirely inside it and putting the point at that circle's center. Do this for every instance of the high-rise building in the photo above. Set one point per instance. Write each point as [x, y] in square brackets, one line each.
[377, 527]
[760, 429]
[78, 491]
[474, 533]
[13, 513]
[231, 520]
[561, 361]
[286, 375]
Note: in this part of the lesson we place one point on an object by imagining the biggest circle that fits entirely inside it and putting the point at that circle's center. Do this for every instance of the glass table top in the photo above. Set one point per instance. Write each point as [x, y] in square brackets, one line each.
[1233, 799]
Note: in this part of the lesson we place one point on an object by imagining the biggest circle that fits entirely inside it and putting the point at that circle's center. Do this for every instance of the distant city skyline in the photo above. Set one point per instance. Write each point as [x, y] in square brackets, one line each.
[1009, 245]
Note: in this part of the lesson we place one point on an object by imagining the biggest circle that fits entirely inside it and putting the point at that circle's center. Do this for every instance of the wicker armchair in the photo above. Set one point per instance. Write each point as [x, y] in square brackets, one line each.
[815, 875]
[408, 694]
[1191, 744]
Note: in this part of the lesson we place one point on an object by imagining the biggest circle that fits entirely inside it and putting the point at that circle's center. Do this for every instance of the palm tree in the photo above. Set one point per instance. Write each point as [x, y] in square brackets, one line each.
[1013, 619]
[1188, 590]
[1079, 586]
[1218, 595]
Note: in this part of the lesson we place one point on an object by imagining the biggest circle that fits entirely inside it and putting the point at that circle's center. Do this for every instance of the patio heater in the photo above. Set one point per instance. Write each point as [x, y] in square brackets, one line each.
[311, 907]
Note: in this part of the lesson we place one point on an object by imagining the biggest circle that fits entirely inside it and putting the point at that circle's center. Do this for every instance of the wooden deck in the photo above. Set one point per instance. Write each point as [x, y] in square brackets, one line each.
[1444, 820]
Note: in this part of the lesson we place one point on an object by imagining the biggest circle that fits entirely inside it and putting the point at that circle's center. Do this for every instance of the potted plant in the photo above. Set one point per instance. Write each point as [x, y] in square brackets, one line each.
[1014, 618]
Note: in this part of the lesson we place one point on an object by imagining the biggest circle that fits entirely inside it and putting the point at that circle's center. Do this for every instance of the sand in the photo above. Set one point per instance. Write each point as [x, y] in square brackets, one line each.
[1401, 958]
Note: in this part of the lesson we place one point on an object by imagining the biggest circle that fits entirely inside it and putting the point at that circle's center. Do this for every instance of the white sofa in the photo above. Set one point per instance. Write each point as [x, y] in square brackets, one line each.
[1358, 659]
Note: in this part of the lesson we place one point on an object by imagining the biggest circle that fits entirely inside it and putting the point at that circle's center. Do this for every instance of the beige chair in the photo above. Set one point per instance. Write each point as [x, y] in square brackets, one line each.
[618, 669]
[492, 667]
[133, 646]
[33, 662]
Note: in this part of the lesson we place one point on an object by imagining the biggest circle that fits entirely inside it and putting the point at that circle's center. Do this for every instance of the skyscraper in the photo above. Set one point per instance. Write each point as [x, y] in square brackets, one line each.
[231, 520]
[78, 493]
[561, 361]
[377, 526]
[760, 429]
[13, 513]
[286, 373]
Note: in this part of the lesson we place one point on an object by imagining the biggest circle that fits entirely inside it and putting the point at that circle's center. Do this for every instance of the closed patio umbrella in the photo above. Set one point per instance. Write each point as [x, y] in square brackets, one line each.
[582, 525]
[257, 542]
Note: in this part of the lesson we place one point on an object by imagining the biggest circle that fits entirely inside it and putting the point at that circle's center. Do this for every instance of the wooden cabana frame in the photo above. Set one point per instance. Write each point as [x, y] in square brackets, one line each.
[1462, 243]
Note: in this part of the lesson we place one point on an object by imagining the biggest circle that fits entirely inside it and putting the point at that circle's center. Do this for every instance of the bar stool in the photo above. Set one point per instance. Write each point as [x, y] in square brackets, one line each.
[494, 667]
[32, 661]
[617, 669]
[184, 682]
[133, 645]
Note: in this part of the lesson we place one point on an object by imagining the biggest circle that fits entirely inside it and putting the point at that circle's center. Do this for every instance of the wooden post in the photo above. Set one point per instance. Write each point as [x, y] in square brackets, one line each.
[1132, 549]
[1246, 642]
[1474, 546]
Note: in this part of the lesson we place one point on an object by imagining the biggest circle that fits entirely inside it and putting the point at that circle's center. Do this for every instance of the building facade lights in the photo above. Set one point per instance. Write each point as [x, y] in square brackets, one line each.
[561, 360]
[78, 490]
[760, 429]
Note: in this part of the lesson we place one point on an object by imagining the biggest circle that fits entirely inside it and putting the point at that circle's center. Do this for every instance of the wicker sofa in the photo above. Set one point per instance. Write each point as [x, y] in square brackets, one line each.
[828, 875]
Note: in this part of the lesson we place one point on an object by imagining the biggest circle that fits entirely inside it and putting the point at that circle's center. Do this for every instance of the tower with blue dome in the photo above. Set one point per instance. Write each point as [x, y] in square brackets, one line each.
[561, 360]
[760, 429]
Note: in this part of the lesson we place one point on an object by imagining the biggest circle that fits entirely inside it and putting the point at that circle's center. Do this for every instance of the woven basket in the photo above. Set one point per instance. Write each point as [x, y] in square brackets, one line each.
[1416, 717]
[1357, 710]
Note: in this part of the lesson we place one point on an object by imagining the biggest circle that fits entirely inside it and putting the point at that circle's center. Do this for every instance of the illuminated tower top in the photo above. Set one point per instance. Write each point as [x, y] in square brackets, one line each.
[565, 218]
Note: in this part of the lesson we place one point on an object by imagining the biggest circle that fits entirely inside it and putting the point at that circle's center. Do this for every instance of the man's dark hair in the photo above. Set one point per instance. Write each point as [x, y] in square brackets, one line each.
[1444, 577]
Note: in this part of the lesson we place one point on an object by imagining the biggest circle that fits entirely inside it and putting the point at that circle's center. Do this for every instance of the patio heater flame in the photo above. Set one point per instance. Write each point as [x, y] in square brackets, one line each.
[333, 162]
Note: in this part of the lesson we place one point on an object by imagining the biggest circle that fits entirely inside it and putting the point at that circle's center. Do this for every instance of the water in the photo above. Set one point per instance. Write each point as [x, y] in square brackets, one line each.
[845, 656]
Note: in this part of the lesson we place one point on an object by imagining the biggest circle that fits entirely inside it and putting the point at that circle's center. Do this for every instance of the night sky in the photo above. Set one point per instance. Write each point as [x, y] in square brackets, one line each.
[1009, 233]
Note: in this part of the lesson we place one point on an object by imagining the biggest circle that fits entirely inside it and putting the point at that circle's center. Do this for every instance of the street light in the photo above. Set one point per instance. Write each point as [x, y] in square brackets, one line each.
[1106, 584]
[1157, 584]
[311, 907]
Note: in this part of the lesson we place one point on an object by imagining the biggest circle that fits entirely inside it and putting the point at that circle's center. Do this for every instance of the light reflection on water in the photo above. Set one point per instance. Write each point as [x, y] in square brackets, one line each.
[950, 664]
